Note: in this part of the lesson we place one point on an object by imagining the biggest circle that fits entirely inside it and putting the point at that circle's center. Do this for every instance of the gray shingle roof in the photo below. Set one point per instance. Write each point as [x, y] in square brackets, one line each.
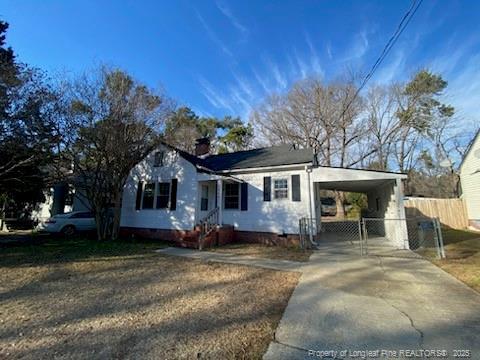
[269, 156]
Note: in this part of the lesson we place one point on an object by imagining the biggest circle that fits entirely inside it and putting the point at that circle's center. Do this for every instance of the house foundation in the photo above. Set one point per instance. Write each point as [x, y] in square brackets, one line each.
[225, 234]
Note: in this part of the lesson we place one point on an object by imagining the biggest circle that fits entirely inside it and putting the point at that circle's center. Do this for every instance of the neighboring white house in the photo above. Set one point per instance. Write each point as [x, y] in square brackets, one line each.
[59, 199]
[262, 193]
[470, 181]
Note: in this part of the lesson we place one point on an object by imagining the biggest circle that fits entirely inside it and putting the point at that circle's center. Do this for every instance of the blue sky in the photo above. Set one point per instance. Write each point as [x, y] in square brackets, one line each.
[223, 57]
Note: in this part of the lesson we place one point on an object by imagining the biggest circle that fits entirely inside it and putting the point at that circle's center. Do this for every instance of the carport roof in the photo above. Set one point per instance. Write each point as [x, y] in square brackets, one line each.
[352, 180]
[354, 185]
[400, 174]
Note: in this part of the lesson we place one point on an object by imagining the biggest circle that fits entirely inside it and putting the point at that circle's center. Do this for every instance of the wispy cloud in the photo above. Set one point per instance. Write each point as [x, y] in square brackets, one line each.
[459, 66]
[314, 60]
[244, 85]
[358, 48]
[328, 49]
[241, 102]
[279, 76]
[454, 55]
[213, 96]
[227, 12]
[463, 89]
[361, 44]
[302, 66]
[213, 36]
[395, 69]
[263, 83]
[238, 98]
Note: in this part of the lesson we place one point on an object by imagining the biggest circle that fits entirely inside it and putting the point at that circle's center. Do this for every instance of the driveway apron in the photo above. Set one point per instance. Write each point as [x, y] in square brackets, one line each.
[346, 304]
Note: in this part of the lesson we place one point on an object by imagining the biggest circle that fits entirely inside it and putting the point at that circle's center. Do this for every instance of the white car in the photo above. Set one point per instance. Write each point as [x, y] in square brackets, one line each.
[68, 223]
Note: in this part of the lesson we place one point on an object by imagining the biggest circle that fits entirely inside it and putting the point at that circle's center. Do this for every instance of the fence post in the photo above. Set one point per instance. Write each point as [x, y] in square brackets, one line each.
[365, 236]
[360, 236]
[436, 238]
[440, 238]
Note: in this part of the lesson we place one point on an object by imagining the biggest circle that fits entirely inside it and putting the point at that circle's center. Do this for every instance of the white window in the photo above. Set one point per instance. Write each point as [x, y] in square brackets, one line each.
[158, 159]
[163, 195]
[148, 196]
[232, 195]
[280, 188]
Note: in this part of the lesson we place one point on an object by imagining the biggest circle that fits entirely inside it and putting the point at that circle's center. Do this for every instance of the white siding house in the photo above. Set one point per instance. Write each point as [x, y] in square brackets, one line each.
[470, 181]
[141, 215]
[261, 193]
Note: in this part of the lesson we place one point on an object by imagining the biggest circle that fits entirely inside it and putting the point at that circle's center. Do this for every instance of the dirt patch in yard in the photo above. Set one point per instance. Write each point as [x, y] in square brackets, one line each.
[265, 251]
[136, 304]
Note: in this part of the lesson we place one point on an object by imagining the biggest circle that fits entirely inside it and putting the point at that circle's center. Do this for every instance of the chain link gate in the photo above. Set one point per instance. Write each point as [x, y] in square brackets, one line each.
[410, 237]
[343, 234]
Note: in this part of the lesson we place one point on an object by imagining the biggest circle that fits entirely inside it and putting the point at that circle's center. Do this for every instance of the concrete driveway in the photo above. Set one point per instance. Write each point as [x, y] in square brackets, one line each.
[345, 302]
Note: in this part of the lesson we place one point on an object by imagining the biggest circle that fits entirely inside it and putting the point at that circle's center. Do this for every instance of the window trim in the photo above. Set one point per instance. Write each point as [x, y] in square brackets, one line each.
[225, 195]
[275, 190]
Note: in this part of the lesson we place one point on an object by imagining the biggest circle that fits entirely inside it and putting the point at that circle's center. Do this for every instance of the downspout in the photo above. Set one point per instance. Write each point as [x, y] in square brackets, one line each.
[308, 170]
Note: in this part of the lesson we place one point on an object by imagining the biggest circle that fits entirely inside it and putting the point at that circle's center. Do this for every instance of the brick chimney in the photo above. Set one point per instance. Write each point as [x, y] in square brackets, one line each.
[202, 146]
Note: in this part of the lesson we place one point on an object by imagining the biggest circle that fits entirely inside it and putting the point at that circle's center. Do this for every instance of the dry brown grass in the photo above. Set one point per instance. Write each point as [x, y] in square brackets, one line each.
[463, 261]
[265, 251]
[136, 305]
[462, 248]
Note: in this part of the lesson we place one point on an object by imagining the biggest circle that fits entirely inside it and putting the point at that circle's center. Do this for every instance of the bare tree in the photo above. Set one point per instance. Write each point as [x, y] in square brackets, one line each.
[383, 125]
[111, 123]
[324, 117]
[391, 127]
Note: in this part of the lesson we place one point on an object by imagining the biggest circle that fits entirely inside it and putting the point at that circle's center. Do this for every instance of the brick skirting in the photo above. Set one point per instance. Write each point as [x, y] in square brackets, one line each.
[225, 235]
[183, 238]
[267, 238]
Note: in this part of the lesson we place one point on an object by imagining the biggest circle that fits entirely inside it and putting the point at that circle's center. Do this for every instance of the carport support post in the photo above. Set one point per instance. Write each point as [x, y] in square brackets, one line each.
[401, 212]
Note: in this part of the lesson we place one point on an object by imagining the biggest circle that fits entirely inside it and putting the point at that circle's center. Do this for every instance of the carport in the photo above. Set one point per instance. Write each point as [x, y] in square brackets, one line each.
[385, 201]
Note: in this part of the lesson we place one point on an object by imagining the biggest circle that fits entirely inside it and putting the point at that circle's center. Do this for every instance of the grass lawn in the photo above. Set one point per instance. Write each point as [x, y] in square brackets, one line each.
[265, 251]
[84, 299]
[462, 248]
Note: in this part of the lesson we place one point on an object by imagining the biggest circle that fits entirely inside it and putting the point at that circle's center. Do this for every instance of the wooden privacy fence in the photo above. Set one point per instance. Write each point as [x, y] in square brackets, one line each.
[451, 212]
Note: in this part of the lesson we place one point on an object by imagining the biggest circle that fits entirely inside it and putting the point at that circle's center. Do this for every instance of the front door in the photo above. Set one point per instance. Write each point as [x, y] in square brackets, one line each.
[204, 198]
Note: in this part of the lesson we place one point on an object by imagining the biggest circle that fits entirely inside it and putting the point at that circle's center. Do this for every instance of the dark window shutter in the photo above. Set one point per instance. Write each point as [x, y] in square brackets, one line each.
[244, 196]
[173, 195]
[296, 188]
[267, 188]
[138, 201]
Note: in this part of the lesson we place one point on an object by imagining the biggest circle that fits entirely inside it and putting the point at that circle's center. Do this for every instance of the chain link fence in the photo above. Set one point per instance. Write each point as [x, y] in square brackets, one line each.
[411, 237]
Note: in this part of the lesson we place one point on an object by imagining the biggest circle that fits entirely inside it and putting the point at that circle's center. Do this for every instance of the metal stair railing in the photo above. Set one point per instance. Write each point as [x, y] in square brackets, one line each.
[208, 224]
